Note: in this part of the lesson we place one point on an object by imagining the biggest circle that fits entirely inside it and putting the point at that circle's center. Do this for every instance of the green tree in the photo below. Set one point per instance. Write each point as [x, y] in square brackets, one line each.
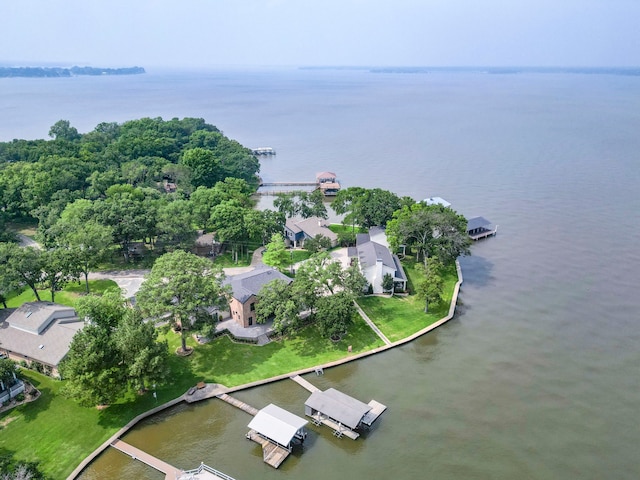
[277, 301]
[206, 169]
[58, 268]
[9, 278]
[8, 371]
[62, 130]
[366, 207]
[91, 367]
[334, 314]
[144, 359]
[430, 287]
[387, 283]
[317, 243]
[106, 310]
[262, 224]
[175, 225]
[431, 230]
[227, 219]
[184, 286]
[25, 264]
[88, 243]
[114, 351]
[276, 254]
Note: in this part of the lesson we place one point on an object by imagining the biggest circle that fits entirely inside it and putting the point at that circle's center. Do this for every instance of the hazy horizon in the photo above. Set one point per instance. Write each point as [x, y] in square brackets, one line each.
[211, 34]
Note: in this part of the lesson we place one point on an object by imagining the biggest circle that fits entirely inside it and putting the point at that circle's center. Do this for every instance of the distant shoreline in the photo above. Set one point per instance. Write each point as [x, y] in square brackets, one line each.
[62, 72]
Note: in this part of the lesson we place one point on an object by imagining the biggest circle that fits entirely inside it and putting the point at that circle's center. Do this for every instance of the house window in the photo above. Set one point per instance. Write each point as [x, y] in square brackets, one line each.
[252, 307]
[251, 319]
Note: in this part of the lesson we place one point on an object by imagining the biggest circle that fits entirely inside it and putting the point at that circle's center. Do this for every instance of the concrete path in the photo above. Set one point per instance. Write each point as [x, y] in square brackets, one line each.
[372, 325]
[28, 241]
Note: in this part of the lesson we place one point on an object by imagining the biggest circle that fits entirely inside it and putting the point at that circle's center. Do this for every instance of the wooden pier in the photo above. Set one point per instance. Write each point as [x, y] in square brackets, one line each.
[272, 454]
[238, 404]
[484, 234]
[303, 383]
[170, 472]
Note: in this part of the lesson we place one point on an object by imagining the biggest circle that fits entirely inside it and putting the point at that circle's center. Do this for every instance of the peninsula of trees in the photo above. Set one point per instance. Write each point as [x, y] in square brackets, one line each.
[44, 72]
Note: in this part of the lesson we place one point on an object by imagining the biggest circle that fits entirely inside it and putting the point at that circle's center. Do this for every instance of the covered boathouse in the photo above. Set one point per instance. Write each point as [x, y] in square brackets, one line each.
[480, 227]
[341, 412]
[276, 430]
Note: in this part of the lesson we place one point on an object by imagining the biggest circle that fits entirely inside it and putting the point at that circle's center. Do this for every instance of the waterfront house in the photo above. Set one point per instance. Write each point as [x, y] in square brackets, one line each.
[39, 332]
[245, 288]
[376, 260]
[296, 230]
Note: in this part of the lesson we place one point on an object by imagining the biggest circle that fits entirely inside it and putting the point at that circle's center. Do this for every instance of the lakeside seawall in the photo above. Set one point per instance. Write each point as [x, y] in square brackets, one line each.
[452, 307]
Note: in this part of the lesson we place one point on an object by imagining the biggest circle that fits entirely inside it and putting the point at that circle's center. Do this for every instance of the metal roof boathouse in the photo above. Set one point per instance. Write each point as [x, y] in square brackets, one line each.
[276, 430]
[341, 412]
[480, 227]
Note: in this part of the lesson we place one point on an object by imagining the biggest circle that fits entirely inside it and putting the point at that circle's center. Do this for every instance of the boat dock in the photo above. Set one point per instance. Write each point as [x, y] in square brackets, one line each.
[479, 228]
[170, 472]
[263, 151]
[341, 413]
[325, 182]
[238, 404]
[272, 454]
[203, 472]
[303, 383]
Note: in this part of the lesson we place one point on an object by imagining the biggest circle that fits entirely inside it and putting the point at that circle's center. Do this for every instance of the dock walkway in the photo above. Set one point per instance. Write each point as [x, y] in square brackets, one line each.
[305, 384]
[170, 472]
[238, 404]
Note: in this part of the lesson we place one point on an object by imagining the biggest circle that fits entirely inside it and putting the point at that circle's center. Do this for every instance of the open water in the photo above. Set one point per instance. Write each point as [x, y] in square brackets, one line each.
[537, 376]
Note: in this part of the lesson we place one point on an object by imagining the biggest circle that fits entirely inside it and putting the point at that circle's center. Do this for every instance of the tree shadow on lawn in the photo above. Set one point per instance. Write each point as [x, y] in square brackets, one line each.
[31, 410]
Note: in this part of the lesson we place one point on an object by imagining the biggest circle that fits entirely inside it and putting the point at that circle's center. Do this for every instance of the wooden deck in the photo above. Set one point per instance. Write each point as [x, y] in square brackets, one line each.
[484, 234]
[238, 404]
[372, 415]
[305, 384]
[272, 454]
[170, 472]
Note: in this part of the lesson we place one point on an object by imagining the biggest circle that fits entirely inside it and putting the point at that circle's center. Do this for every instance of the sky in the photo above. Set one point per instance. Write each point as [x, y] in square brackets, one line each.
[222, 33]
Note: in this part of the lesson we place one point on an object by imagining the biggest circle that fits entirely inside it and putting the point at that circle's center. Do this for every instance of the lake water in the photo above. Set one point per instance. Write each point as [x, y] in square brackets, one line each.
[537, 376]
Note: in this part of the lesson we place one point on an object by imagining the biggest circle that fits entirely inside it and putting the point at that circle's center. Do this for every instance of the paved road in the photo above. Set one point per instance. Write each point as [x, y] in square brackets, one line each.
[28, 241]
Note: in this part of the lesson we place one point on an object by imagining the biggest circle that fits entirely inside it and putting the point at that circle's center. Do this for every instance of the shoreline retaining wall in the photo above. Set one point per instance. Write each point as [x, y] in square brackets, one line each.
[452, 308]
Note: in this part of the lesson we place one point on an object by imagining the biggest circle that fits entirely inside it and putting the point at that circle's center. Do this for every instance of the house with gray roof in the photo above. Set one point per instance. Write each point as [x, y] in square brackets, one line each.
[245, 288]
[296, 230]
[376, 261]
[39, 332]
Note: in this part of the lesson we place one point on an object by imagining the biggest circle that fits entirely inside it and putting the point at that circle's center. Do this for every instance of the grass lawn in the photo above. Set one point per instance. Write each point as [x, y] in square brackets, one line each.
[226, 260]
[57, 433]
[340, 228]
[66, 296]
[399, 317]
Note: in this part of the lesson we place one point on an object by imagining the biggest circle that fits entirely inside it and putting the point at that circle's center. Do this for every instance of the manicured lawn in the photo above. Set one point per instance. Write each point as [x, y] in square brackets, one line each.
[399, 317]
[340, 228]
[223, 361]
[58, 433]
[67, 296]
